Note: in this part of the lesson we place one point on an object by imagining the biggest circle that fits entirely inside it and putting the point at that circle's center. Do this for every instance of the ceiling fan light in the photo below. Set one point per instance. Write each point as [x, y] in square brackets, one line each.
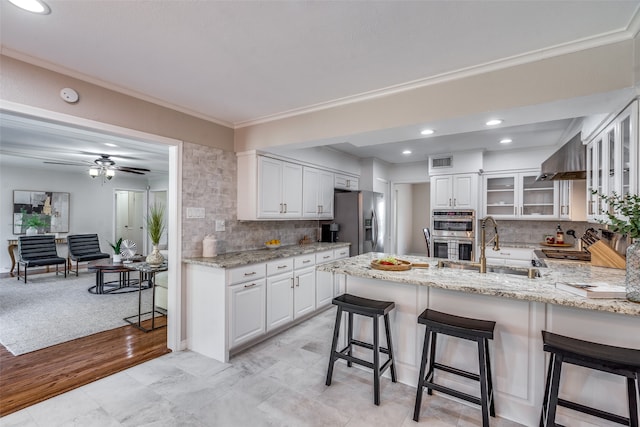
[94, 172]
[110, 173]
[35, 6]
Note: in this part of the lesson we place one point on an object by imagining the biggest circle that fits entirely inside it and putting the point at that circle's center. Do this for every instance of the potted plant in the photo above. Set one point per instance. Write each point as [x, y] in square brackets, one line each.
[624, 217]
[33, 224]
[117, 256]
[155, 229]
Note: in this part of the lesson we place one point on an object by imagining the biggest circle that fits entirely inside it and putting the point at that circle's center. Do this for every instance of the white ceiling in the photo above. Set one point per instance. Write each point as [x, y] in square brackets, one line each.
[238, 62]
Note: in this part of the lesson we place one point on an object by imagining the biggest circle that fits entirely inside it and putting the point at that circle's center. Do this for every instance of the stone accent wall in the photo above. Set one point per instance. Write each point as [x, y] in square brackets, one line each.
[209, 182]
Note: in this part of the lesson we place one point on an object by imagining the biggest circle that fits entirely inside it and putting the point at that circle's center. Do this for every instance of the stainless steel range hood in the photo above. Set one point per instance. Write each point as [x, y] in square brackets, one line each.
[569, 162]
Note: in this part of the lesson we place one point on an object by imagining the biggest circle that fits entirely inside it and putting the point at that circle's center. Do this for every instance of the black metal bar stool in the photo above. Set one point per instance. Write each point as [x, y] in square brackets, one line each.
[605, 358]
[480, 331]
[370, 308]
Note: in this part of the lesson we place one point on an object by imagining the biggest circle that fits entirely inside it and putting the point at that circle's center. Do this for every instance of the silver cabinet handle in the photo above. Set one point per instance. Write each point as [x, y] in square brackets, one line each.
[454, 201]
[348, 183]
[326, 256]
[306, 261]
[292, 280]
[250, 274]
[515, 210]
[298, 281]
[250, 286]
[281, 266]
[281, 208]
[449, 202]
[285, 208]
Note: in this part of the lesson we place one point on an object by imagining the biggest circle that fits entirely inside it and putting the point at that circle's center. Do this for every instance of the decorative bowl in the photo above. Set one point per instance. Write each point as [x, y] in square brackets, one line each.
[272, 245]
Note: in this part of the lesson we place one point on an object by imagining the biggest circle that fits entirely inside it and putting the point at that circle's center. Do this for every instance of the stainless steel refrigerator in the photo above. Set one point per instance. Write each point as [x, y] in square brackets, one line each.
[361, 217]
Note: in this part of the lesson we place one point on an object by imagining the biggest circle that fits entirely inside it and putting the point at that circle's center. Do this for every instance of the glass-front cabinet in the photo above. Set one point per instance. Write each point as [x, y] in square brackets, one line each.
[519, 195]
[612, 160]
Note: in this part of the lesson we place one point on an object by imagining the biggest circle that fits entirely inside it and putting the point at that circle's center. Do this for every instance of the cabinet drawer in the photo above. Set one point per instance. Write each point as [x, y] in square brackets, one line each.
[322, 257]
[304, 261]
[245, 273]
[341, 253]
[279, 266]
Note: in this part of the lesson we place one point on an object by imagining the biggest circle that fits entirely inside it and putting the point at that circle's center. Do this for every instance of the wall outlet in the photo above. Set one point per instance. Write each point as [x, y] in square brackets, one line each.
[195, 212]
[219, 224]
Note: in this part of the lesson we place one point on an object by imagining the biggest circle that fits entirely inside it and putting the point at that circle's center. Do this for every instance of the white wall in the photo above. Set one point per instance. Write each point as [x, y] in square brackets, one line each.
[516, 159]
[421, 196]
[410, 172]
[90, 203]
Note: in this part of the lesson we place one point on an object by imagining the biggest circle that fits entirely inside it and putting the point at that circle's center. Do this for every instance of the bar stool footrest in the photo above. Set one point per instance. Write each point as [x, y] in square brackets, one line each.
[369, 346]
[452, 392]
[593, 411]
[456, 371]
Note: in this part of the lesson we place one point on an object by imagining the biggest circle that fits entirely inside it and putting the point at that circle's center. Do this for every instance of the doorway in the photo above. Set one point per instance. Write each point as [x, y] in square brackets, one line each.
[411, 214]
[130, 208]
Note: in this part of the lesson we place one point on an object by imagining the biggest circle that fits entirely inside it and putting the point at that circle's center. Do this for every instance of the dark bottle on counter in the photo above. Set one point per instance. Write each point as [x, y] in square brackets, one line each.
[559, 235]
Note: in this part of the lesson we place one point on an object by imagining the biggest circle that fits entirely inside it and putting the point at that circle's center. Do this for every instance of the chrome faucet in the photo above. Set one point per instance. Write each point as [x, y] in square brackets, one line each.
[483, 243]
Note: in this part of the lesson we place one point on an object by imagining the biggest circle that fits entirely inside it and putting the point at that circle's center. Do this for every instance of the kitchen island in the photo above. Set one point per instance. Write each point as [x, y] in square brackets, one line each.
[521, 308]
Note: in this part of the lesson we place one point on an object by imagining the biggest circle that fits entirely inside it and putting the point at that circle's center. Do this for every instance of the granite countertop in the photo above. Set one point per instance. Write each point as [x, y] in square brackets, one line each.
[237, 259]
[540, 289]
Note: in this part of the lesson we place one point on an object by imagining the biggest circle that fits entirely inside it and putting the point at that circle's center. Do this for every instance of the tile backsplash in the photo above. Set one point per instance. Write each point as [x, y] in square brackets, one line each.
[533, 232]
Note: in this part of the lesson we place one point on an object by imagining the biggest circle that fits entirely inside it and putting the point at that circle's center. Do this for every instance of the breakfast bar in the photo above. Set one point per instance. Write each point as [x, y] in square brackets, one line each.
[521, 307]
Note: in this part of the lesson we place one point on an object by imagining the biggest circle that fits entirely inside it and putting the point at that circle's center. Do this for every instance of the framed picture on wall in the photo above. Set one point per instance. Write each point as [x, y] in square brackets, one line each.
[47, 211]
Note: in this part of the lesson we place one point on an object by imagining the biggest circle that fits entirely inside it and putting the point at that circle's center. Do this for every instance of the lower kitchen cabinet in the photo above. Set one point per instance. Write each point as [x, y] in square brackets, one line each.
[324, 280]
[279, 300]
[247, 311]
[304, 292]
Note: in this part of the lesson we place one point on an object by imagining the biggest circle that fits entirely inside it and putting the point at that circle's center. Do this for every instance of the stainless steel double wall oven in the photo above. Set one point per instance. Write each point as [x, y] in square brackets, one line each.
[454, 234]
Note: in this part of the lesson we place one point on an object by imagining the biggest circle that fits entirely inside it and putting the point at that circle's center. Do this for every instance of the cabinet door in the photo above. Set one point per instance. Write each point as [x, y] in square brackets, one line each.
[279, 300]
[325, 194]
[538, 198]
[564, 200]
[247, 311]
[441, 187]
[500, 196]
[324, 288]
[270, 204]
[464, 192]
[310, 189]
[304, 295]
[292, 190]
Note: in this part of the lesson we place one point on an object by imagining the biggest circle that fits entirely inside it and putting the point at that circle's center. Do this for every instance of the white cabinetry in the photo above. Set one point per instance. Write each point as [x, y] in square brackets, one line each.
[304, 294]
[571, 204]
[339, 280]
[612, 161]
[454, 191]
[346, 182]
[519, 195]
[280, 284]
[317, 193]
[324, 280]
[279, 189]
[247, 304]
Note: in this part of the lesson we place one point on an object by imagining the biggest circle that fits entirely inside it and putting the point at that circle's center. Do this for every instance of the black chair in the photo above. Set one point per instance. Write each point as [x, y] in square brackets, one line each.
[480, 331]
[369, 308]
[84, 247]
[38, 251]
[614, 360]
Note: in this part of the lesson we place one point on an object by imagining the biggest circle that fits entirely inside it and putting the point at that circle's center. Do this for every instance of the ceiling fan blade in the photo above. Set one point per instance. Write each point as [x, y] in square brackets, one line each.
[117, 156]
[66, 163]
[130, 169]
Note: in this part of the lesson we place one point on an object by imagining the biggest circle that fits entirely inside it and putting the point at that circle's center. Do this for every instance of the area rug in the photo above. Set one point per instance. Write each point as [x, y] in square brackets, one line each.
[51, 309]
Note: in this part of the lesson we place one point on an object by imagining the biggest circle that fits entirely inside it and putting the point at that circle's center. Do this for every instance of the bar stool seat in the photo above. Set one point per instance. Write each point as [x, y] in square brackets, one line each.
[601, 357]
[480, 331]
[370, 308]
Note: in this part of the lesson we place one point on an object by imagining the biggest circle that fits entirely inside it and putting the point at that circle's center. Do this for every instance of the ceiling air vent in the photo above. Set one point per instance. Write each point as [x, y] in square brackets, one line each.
[441, 162]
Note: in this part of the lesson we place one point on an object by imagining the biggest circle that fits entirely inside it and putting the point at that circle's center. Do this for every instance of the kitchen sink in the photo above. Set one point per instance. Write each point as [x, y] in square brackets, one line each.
[498, 269]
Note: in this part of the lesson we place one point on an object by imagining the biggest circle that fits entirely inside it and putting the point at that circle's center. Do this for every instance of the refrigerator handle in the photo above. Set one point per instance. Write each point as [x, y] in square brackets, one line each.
[374, 223]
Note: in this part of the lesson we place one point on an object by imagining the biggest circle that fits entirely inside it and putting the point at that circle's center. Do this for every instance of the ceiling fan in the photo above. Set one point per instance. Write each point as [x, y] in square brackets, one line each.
[103, 163]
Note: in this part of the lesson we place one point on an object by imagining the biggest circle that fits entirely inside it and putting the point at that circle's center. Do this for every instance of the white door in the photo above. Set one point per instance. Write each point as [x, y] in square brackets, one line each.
[247, 311]
[304, 296]
[130, 216]
[279, 300]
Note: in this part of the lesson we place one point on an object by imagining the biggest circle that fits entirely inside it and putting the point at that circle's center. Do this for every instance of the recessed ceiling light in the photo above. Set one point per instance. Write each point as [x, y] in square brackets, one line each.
[427, 132]
[493, 122]
[35, 6]
[406, 152]
[505, 141]
[110, 144]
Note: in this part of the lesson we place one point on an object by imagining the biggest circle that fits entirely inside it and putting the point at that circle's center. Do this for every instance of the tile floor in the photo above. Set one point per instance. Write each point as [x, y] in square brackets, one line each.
[279, 382]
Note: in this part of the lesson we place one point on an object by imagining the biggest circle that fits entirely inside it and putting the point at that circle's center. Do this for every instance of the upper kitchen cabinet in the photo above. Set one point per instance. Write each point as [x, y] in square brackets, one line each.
[346, 182]
[268, 188]
[519, 195]
[457, 191]
[317, 193]
[612, 161]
